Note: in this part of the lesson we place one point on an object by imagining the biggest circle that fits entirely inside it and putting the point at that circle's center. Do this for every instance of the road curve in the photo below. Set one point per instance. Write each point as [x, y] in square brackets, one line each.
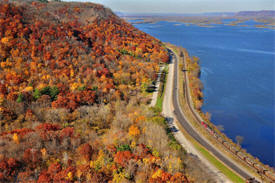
[182, 120]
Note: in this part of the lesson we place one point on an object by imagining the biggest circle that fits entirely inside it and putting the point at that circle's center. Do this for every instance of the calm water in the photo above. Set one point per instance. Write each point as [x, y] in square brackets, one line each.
[237, 66]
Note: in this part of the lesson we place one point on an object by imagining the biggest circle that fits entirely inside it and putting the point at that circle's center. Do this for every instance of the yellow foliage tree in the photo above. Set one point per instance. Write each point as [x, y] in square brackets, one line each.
[5, 40]
[43, 152]
[75, 86]
[70, 176]
[15, 138]
[28, 89]
[134, 130]
[157, 174]
[1, 99]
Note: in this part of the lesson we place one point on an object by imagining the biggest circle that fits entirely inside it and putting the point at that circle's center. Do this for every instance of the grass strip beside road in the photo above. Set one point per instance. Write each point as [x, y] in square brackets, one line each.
[211, 158]
[161, 90]
[220, 166]
[173, 143]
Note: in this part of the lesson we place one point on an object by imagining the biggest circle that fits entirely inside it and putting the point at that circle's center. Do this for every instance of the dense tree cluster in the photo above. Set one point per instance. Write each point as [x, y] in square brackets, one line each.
[52, 152]
[74, 63]
[195, 84]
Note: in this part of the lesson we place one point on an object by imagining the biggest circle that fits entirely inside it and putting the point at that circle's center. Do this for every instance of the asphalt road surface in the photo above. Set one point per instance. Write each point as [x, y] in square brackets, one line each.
[180, 117]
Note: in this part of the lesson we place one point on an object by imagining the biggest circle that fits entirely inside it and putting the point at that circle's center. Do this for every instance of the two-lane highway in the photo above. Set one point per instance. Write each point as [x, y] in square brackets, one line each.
[186, 125]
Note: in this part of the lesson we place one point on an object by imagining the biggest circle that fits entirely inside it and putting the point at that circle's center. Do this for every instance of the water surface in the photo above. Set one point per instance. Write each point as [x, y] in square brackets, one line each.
[237, 65]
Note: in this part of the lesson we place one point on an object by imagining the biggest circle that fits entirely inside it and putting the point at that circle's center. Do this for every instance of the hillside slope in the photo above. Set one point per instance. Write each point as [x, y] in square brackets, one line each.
[73, 107]
[54, 44]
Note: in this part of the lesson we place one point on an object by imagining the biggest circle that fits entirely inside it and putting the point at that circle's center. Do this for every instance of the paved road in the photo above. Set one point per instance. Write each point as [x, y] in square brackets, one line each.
[167, 111]
[179, 115]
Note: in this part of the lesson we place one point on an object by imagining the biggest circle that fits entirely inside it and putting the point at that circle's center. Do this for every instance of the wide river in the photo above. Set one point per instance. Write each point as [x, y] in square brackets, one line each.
[237, 65]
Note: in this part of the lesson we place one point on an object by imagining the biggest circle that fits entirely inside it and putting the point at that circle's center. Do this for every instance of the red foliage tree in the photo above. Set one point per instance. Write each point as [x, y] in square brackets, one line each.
[122, 157]
[86, 151]
[44, 177]
[32, 157]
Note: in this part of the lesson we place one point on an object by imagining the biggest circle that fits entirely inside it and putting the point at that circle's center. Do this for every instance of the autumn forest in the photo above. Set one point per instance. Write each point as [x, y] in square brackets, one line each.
[73, 101]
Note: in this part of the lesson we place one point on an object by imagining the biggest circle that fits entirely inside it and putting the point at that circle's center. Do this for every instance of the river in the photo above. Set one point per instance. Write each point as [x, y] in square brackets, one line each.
[237, 65]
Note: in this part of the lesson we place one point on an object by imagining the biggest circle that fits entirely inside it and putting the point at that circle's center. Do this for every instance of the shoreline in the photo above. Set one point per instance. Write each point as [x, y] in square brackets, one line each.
[182, 137]
[152, 20]
[220, 137]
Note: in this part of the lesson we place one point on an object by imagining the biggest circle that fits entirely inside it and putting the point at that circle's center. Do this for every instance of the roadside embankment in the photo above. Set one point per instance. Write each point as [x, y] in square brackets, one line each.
[191, 100]
[196, 165]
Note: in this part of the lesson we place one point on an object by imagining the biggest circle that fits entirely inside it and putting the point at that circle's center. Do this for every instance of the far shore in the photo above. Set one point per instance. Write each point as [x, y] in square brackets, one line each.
[202, 21]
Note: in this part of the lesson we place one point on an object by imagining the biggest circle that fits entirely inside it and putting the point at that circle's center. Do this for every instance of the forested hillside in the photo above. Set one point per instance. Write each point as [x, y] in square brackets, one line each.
[73, 105]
